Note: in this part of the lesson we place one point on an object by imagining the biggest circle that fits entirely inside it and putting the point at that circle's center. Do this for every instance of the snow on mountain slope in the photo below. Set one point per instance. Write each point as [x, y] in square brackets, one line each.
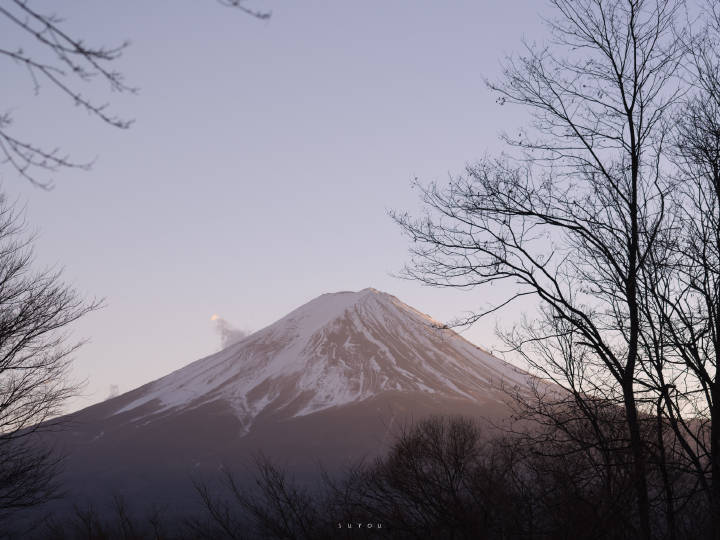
[337, 349]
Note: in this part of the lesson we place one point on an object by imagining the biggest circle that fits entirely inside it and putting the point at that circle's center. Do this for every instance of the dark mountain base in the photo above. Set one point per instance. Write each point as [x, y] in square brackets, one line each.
[157, 465]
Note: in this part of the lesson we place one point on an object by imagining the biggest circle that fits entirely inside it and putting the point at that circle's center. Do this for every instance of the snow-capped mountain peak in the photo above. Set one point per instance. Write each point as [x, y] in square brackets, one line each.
[337, 349]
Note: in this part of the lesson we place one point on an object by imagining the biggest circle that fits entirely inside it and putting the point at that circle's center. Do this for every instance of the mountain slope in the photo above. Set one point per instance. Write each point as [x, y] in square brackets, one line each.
[332, 382]
[338, 349]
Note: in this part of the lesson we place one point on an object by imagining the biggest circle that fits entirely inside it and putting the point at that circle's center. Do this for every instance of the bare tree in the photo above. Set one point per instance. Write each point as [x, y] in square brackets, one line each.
[273, 505]
[572, 218]
[683, 290]
[425, 483]
[36, 308]
[443, 477]
[87, 522]
[53, 56]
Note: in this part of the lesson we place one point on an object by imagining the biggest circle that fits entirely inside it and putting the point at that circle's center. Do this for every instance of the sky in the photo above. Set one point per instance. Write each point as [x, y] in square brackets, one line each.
[262, 163]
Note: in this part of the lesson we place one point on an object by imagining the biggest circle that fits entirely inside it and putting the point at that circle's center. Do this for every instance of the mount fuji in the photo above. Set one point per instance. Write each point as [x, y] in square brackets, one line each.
[329, 383]
[338, 349]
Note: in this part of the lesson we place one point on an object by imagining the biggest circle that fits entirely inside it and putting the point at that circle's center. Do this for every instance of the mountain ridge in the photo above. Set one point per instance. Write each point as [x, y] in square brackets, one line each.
[334, 382]
[336, 349]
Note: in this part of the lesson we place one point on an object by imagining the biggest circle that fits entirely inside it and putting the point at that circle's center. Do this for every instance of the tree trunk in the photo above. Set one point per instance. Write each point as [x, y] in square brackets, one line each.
[636, 445]
[638, 454]
[715, 463]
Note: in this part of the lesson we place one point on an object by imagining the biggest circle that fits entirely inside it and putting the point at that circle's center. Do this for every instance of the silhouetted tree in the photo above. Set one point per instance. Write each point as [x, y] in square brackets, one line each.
[425, 484]
[274, 506]
[87, 523]
[683, 291]
[54, 56]
[36, 308]
[572, 219]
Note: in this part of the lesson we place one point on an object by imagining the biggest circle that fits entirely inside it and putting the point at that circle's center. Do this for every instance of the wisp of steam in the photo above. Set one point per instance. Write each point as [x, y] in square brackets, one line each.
[229, 335]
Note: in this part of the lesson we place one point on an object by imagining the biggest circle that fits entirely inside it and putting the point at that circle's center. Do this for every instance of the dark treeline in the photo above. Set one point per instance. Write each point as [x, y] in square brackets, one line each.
[445, 478]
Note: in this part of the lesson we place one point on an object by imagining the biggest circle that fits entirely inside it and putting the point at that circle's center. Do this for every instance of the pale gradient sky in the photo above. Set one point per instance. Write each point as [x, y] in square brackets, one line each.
[261, 165]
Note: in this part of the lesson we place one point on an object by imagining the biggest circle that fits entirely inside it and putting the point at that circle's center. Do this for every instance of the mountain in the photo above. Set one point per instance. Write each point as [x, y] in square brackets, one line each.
[330, 382]
[338, 349]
